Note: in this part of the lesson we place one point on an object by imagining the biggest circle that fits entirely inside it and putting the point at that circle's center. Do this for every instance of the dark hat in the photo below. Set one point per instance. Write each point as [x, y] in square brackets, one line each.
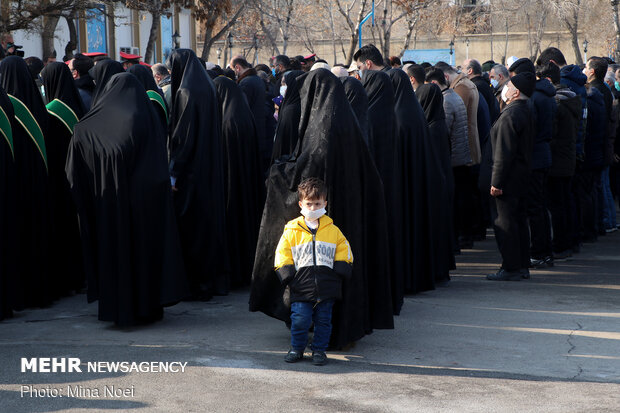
[525, 82]
[522, 65]
[488, 65]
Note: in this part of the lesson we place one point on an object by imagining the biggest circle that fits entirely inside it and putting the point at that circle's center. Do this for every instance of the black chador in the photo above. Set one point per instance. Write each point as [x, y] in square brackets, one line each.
[34, 282]
[287, 132]
[101, 73]
[356, 94]
[8, 204]
[439, 179]
[145, 76]
[65, 108]
[416, 238]
[117, 169]
[196, 168]
[331, 148]
[243, 177]
[382, 142]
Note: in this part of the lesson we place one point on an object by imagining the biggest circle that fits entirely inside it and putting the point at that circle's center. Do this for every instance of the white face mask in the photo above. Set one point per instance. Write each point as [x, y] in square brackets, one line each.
[494, 83]
[313, 215]
[283, 90]
[505, 94]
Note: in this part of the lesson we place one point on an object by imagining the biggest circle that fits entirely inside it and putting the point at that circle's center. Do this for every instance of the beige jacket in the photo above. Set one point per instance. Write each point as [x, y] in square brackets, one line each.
[466, 89]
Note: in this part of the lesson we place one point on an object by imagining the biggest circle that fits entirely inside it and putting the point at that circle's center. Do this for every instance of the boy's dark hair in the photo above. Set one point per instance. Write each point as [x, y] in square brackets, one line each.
[549, 70]
[437, 75]
[417, 72]
[551, 53]
[82, 64]
[369, 52]
[426, 65]
[312, 188]
[600, 67]
[395, 61]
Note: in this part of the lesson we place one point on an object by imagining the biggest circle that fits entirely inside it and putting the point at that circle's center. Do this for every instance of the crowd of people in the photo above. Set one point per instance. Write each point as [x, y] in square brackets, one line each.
[151, 185]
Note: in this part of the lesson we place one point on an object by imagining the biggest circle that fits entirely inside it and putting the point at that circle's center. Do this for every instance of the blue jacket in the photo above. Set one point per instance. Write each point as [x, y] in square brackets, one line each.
[484, 122]
[576, 80]
[545, 109]
[596, 130]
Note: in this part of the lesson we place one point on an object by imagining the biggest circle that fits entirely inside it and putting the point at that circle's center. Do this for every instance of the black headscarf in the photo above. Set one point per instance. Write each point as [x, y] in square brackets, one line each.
[359, 102]
[34, 282]
[59, 84]
[243, 178]
[101, 74]
[145, 76]
[196, 163]
[431, 99]
[330, 148]
[287, 132]
[119, 179]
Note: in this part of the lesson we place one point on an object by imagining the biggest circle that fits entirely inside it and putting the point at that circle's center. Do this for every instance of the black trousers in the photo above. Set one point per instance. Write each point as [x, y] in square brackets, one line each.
[586, 195]
[559, 200]
[509, 214]
[538, 215]
[464, 210]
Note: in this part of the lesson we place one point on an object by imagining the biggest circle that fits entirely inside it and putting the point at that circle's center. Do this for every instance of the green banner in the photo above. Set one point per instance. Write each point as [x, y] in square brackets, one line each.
[6, 130]
[29, 123]
[153, 95]
[63, 112]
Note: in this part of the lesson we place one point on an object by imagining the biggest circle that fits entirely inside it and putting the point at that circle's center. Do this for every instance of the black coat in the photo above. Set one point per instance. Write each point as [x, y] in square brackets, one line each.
[65, 233]
[117, 171]
[32, 216]
[563, 144]
[610, 137]
[487, 93]
[359, 102]
[8, 209]
[439, 180]
[195, 148]
[287, 133]
[243, 177]
[86, 87]
[330, 148]
[544, 109]
[511, 146]
[596, 130]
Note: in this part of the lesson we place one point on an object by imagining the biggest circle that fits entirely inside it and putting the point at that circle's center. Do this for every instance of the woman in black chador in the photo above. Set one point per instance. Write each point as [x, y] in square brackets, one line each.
[66, 109]
[145, 76]
[197, 174]
[116, 167]
[101, 74]
[243, 176]
[33, 284]
[440, 185]
[330, 147]
[288, 118]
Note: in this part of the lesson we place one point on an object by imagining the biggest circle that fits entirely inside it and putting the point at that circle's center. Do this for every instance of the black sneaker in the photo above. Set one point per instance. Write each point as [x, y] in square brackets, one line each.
[293, 356]
[503, 275]
[549, 261]
[319, 358]
[537, 263]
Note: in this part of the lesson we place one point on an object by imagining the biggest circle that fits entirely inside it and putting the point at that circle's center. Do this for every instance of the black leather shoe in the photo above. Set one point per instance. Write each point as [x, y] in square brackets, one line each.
[503, 275]
[293, 356]
[525, 273]
[319, 358]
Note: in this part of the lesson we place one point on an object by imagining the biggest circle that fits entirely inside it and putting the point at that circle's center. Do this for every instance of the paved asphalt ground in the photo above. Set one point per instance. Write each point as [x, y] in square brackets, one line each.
[549, 344]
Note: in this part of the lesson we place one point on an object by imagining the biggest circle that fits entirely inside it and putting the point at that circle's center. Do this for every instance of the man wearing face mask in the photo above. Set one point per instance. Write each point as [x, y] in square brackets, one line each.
[499, 76]
[511, 145]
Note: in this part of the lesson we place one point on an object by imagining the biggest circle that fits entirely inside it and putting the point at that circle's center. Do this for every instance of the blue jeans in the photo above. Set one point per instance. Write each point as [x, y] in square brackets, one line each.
[302, 315]
[609, 215]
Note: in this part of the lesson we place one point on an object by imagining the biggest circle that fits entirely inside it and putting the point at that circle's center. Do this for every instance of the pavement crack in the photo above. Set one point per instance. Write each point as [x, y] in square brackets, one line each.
[572, 347]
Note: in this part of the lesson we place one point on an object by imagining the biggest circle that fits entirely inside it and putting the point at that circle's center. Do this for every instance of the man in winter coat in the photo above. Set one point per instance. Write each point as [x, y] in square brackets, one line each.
[473, 69]
[544, 110]
[511, 143]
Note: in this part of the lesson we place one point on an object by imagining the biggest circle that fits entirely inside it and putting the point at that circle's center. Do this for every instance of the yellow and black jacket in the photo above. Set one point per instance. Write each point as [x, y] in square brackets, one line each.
[313, 264]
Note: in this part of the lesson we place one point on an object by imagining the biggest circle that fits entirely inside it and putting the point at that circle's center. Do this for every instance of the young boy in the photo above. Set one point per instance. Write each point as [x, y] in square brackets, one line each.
[311, 258]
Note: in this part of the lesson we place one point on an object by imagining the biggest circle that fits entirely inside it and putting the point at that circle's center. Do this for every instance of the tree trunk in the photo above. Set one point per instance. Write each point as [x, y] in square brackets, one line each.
[73, 39]
[47, 35]
[351, 52]
[208, 43]
[505, 44]
[575, 44]
[150, 46]
[614, 6]
[410, 25]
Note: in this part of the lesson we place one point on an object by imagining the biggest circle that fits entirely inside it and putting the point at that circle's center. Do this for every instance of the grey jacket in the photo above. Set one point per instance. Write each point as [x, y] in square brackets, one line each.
[456, 119]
